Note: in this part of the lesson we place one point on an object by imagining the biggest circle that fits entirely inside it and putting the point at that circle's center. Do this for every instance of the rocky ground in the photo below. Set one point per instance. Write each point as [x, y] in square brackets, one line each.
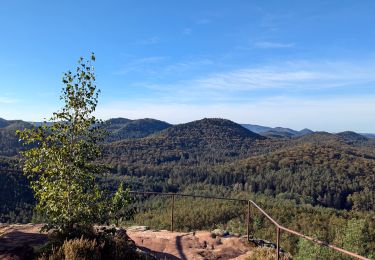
[194, 245]
[15, 242]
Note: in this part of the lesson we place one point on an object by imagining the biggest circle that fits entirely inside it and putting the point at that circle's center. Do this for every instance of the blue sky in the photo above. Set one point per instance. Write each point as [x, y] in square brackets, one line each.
[279, 63]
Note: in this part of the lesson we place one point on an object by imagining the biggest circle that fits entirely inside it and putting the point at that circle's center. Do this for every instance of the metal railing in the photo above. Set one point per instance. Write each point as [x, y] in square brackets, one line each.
[250, 203]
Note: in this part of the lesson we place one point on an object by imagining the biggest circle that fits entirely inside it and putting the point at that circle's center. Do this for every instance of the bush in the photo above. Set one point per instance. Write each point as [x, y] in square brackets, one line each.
[77, 249]
[264, 253]
[84, 249]
[119, 247]
[107, 244]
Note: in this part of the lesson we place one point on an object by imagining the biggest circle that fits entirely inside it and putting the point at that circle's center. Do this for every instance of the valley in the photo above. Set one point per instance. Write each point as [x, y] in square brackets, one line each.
[322, 176]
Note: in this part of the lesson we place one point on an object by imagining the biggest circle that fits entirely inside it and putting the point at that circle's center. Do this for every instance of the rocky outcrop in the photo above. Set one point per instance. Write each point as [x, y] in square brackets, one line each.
[192, 245]
[17, 241]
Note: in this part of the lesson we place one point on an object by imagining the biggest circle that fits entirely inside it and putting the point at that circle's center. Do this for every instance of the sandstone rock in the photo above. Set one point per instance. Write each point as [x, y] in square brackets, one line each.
[137, 228]
[145, 255]
[219, 232]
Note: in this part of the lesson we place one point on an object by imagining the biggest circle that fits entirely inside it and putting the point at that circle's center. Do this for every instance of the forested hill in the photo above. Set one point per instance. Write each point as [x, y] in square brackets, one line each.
[319, 168]
[122, 128]
[206, 141]
[352, 136]
[344, 138]
[277, 132]
[210, 128]
[117, 128]
[9, 144]
[335, 176]
[3, 122]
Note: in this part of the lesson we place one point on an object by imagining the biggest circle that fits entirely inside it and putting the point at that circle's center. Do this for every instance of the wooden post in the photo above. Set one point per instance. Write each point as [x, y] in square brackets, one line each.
[172, 213]
[248, 220]
[277, 243]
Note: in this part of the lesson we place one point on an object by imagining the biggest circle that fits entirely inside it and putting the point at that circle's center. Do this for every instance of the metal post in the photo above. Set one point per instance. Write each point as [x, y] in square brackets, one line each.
[172, 213]
[277, 243]
[248, 220]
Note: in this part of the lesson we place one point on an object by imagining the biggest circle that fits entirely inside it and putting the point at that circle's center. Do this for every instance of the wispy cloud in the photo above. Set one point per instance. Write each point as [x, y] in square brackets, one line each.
[335, 114]
[161, 66]
[203, 21]
[7, 100]
[148, 60]
[187, 31]
[297, 75]
[293, 75]
[186, 65]
[290, 93]
[140, 65]
[248, 79]
[273, 45]
[149, 41]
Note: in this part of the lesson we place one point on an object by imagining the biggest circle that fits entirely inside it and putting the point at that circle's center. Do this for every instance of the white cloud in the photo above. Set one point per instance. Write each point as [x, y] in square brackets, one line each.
[7, 100]
[158, 65]
[203, 21]
[247, 79]
[330, 114]
[232, 95]
[187, 31]
[293, 79]
[140, 65]
[273, 45]
[186, 65]
[292, 75]
[149, 41]
[148, 60]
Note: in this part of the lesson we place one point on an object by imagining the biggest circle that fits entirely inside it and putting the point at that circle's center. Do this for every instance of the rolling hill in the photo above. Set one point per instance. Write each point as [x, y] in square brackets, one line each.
[211, 128]
[352, 136]
[276, 132]
[330, 175]
[320, 168]
[9, 144]
[122, 128]
[207, 140]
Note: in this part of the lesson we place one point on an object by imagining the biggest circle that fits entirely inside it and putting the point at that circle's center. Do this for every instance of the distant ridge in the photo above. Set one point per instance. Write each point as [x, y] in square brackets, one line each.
[3, 123]
[352, 136]
[277, 132]
[211, 128]
[9, 144]
[119, 121]
[257, 128]
[319, 137]
[10, 124]
[123, 128]
[211, 140]
[305, 131]
[368, 135]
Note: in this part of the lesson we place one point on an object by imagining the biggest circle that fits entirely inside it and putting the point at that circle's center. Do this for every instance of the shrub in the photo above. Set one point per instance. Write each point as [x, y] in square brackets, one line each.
[107, 244]
[264, 253]
[119, 247]
[77, 249]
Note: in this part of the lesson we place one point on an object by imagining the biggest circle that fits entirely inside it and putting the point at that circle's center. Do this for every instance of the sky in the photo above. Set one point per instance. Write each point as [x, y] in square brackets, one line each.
[297, 64]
